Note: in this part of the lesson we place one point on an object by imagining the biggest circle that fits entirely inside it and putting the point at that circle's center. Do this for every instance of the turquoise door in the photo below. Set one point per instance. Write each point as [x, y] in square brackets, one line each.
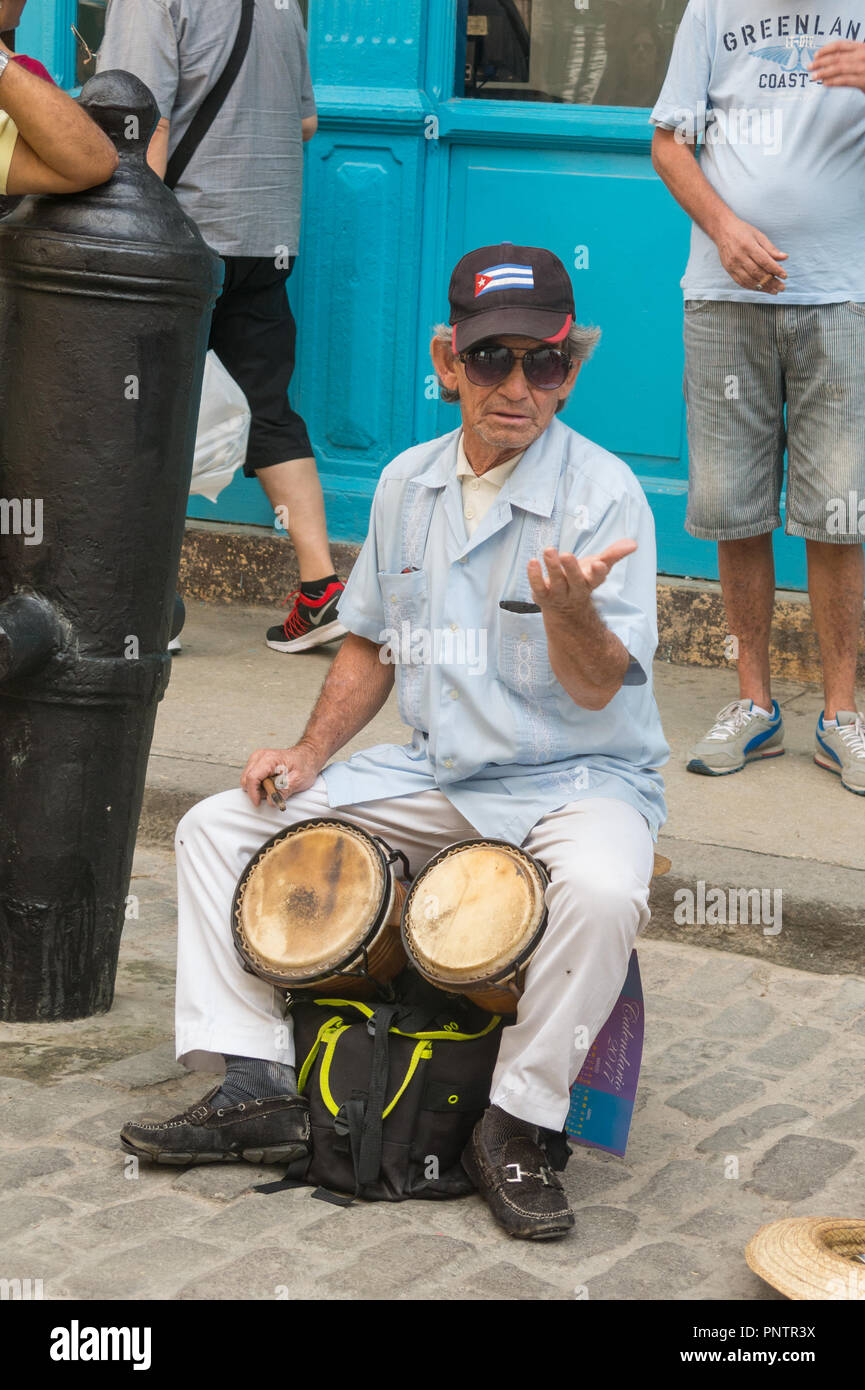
[444, 125]
[448, 124]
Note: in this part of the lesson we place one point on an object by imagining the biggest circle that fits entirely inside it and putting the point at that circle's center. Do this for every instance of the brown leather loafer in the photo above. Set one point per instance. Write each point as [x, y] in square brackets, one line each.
[275, 1130]
[514, 1177]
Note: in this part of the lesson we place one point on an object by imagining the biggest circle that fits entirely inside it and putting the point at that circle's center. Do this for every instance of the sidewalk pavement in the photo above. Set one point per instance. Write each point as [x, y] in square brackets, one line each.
[751, 1104]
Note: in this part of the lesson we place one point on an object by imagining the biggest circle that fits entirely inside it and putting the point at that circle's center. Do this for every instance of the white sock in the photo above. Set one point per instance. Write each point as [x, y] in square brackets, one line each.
[758, 709]
[830, 723]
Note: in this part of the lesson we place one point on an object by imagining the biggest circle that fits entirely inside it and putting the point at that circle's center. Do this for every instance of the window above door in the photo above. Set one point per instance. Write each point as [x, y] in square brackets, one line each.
[579, 52]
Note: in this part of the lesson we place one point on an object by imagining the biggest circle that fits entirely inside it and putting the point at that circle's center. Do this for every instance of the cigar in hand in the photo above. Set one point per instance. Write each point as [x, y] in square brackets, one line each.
[276, 796]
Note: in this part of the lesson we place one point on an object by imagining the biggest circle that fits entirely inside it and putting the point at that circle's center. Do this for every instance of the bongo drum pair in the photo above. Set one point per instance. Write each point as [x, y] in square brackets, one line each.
[321, 907]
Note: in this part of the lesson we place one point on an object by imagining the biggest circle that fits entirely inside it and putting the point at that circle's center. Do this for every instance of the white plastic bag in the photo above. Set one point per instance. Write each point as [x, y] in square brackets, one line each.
[223, 431]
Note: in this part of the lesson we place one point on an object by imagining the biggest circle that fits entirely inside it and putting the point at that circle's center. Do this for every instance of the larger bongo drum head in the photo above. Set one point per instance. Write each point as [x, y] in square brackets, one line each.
[474, 912]
[310, 899]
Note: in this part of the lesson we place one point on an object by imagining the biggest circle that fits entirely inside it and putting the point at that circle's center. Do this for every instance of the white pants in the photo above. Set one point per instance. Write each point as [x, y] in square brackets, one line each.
[599, 855]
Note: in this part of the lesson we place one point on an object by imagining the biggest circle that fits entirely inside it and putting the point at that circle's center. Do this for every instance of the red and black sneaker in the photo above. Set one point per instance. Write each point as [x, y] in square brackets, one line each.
[311, 622]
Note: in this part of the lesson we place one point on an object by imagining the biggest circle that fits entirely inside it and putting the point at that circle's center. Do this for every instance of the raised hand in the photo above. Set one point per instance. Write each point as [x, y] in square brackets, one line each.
[572, 580]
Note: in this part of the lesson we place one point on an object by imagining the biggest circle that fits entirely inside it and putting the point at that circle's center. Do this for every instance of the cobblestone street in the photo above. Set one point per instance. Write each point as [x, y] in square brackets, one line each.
[751, 1107]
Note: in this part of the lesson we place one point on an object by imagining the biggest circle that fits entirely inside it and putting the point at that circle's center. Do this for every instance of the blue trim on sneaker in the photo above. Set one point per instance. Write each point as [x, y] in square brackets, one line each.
[837, 772]
[831, 751]
[777, 724]
[760, 738]
[697, 765]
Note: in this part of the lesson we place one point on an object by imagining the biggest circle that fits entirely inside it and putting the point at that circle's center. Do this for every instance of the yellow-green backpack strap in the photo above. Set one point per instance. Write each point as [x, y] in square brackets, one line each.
[303, 1076]
[453, 1034]
[423, 1051]
[330, 1042]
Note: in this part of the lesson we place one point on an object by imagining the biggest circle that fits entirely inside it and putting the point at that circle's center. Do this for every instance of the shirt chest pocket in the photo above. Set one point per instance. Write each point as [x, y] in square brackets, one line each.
[523, 656]
[405, 599]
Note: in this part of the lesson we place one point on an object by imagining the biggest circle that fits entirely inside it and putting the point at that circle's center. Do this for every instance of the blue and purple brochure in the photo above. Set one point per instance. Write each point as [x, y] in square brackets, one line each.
[603, 1095]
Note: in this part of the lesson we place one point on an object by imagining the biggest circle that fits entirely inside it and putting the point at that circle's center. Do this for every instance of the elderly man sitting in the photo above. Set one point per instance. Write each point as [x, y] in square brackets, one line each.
[553, 747]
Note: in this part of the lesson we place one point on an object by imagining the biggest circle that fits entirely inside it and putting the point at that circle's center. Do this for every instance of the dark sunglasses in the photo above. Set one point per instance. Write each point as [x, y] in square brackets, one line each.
[544, 368]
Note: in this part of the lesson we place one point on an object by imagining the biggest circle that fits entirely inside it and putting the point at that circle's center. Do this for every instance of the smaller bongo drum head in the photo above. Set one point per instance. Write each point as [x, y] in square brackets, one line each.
[311, 898]
[472, 914]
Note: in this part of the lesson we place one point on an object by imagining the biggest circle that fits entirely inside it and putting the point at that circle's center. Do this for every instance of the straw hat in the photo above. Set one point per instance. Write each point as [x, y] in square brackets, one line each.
[811, 1258]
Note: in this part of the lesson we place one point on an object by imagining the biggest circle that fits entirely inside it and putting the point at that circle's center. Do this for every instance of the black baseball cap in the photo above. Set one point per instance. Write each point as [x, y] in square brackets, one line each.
[510, 289]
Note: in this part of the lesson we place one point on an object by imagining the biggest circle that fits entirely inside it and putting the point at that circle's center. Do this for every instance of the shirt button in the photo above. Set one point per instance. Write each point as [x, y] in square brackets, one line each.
[469, 513]
[455, 627]
[449, 762]
[475, 484]
[455, 694]
[524, 637]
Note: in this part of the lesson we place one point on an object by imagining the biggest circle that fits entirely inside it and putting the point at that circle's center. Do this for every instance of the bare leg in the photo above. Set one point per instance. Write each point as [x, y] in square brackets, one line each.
[836, 580]
[747, 570]
[295, 487]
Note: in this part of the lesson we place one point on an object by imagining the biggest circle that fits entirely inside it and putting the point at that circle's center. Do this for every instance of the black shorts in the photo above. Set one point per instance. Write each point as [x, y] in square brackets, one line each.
[253, 335]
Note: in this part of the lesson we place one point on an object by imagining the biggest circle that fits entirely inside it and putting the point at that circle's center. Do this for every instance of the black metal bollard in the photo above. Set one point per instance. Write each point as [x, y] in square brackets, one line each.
[105, 305]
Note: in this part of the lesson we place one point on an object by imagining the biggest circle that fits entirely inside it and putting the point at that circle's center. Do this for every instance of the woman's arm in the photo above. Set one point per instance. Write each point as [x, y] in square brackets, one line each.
[59, 148]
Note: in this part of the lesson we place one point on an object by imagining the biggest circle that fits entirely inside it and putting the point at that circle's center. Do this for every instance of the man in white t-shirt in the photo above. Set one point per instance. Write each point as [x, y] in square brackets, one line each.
[775, 337]
[47, 143]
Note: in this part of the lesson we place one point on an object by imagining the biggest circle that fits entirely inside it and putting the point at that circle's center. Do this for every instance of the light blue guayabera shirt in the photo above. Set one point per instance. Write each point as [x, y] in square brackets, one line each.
[493, 728]
[785, 153]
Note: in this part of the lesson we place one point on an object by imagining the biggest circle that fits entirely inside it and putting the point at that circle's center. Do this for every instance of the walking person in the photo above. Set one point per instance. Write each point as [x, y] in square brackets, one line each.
[774, 338]
[242, 185]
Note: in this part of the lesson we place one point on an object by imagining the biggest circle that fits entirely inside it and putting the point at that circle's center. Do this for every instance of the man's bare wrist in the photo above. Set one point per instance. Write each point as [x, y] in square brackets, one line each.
[315, 754]
[577, 618]
[720, 224]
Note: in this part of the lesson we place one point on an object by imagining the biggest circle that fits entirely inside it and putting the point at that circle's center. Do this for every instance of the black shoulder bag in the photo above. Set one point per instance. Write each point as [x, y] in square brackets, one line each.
[212, 104]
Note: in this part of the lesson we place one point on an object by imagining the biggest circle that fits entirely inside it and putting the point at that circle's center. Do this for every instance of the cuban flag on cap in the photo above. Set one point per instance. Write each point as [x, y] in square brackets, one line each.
[502, 277]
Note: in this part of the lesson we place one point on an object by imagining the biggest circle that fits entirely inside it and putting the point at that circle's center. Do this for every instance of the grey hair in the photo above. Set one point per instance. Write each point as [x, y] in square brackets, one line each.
[580, 344]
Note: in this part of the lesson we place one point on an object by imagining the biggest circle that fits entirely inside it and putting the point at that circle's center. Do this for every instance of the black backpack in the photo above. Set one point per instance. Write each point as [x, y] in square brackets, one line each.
[394, 1090]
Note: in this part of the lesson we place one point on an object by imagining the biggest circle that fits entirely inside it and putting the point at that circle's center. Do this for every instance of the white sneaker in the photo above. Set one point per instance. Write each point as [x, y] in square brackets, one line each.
[739, 735]
[841, 749]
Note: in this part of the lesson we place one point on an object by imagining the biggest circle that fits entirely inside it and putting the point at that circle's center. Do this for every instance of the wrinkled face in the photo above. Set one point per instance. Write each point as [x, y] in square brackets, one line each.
[10, 13]
[511, 415]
